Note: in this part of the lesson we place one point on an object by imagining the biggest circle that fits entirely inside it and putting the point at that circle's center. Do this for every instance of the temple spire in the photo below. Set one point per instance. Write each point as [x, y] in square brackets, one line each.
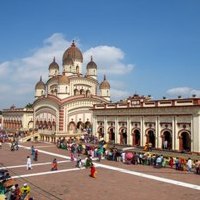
[73, 43]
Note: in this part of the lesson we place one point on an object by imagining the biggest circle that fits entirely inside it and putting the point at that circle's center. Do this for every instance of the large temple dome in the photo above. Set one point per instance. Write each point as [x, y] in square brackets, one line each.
[72, 53]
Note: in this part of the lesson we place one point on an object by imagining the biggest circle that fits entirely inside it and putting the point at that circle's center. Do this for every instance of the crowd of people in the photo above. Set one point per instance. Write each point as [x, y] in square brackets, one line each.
[99, 150]
[10, 190]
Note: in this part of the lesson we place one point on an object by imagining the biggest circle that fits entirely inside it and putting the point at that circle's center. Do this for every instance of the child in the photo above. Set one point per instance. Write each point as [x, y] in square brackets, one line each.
[93, 171]
[54, 165]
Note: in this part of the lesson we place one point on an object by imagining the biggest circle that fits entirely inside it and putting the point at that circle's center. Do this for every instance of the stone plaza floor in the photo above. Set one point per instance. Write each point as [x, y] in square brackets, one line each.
[115, 180]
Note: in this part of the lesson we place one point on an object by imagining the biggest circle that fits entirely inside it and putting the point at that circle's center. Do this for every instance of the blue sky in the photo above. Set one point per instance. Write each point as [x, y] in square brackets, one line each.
[145, 47]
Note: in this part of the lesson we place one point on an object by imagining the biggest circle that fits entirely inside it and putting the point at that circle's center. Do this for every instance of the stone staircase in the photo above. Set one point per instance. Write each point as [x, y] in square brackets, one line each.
[31, 137]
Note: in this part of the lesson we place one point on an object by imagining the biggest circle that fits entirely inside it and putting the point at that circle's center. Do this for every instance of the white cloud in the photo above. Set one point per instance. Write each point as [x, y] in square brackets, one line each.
[21, 75]
[109, 60]
[4, 69]
[117, 94]
[183, 91]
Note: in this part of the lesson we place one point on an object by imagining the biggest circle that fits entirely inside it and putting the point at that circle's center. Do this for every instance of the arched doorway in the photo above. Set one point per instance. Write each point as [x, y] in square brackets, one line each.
[151, 138]
[136, 137]
[88, 127]
[166, 140]
[123, 136]
[53, 125]
[101, 132]
[80, 125]
[185, 141]
[111, 133]
[72, 127]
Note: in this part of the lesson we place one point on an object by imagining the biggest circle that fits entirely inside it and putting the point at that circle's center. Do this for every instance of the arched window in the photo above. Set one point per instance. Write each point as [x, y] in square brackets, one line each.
[77, 69]
[66, 89]
[76, 92]
[82, 91]
[87, 93]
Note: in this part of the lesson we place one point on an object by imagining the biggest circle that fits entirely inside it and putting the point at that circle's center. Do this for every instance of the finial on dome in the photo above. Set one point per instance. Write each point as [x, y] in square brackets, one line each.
[91, 58]
[40, 78]
[104, 78]
[54, 59]
[73, 43]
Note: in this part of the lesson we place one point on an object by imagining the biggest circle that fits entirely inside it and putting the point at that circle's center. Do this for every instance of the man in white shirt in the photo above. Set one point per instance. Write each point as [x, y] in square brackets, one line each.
[28, 163]
[189, 165]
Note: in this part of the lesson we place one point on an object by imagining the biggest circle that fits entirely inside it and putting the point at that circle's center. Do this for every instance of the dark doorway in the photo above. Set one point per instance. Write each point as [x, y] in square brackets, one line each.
[151, 138]
[186, 141]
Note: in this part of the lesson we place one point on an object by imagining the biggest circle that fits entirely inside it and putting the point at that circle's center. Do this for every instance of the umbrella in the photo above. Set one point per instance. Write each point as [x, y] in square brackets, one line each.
[129, 155]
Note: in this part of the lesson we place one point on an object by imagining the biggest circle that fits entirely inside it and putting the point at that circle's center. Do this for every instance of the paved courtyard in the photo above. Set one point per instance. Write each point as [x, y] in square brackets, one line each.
[115, 180]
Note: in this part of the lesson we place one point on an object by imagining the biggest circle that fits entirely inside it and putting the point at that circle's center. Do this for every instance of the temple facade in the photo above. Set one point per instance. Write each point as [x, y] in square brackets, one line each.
[63, 103]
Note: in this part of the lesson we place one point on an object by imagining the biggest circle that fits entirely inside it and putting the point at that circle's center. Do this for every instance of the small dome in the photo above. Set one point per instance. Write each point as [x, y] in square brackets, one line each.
[73, 53]
[54, 65]
[53, 79]
[40, 85]
[104, 84]
[91, 64]
[63, 80]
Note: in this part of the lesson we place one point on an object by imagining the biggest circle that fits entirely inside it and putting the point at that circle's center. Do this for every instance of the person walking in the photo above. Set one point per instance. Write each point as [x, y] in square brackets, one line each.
[33, 152]
[28, 163]
[93, 171]
[36, 155]
[79, 161]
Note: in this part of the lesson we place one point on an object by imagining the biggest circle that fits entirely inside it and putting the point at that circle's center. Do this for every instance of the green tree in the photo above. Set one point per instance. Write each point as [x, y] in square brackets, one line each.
[29, 105]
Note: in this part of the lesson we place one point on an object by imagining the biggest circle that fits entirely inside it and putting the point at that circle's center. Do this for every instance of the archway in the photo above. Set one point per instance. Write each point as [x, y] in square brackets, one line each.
[151, 138]
[80, 125]
[111, 133]
[77, 69]
[136, 137]
[185, 141]
[88, 127]
[82, 91]
[76, 92]
[123, 136]
[166, 140]
[53, 125]
[88, 93]
[30, 124]
[101, 132]
[72, 127]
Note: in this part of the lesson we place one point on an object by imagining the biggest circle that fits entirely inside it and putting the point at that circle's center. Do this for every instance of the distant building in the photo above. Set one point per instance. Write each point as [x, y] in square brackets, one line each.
[1, 120]
[17, 119]
[139, 120]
